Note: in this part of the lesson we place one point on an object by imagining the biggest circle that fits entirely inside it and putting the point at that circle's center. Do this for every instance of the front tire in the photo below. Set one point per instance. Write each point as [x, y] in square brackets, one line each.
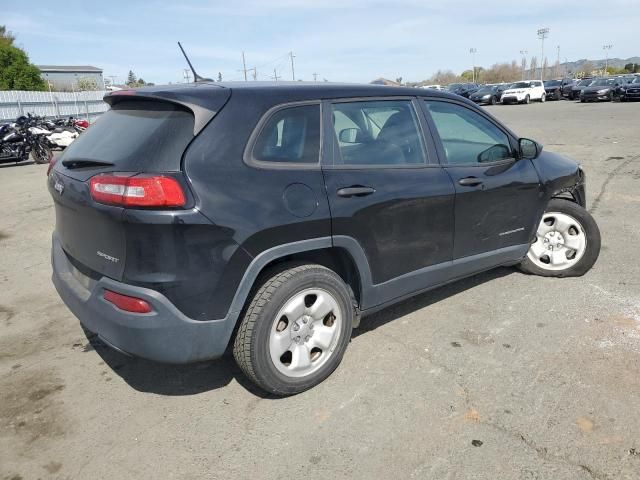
[527, 99]
[567, 242]
[41, 153]
[296, 329]
[543, 98]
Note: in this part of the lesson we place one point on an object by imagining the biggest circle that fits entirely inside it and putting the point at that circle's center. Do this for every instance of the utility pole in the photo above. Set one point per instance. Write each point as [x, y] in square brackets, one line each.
[293, 72]
[187, 75]
[254, 74]
[524, 61]
[315, 77]
[606, 48]
[275, 75]
[542, 34]
[473, 51]
[244, 67]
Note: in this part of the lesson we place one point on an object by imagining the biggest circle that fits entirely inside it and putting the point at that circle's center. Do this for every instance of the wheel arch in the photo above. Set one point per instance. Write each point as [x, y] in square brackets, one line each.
[337, 256]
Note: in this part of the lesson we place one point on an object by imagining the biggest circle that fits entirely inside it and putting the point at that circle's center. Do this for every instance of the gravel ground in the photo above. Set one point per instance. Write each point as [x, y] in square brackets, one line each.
[502, 375]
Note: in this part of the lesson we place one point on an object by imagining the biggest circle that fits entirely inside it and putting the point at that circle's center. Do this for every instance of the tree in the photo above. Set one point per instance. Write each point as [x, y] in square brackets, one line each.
[16, 73]
[131, 79]
[399, 80]
[632, 67]
[586, 69]
[533, 66]
[85, 84]
[545, 69]
[467, 75]
[6, 37]
[141, 82]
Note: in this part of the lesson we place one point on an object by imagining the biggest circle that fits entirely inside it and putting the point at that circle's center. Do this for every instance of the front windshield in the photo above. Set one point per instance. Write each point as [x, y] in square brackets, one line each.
[485, 91]
[552, 83]
[585, 83]
[520, 85]
[636, 80]
[454, 86]
[603, 82]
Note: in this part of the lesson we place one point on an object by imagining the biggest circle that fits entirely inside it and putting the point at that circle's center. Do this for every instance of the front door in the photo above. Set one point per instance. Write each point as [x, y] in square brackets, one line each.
[385, 194]
[498, 198]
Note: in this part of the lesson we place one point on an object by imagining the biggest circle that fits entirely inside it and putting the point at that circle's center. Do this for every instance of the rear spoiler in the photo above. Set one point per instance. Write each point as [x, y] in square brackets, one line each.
[204, 100]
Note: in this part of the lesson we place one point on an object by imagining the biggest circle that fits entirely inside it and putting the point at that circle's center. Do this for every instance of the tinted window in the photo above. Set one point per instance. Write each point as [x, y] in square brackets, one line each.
[467, 136]
[377, 133]
[291, 135]
[136, 136]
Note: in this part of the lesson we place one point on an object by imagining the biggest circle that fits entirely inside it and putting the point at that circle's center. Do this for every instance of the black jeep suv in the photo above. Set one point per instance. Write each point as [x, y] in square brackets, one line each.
[271, 217]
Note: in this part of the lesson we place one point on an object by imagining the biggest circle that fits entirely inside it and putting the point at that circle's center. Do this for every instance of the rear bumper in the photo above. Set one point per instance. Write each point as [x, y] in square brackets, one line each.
[164, 335]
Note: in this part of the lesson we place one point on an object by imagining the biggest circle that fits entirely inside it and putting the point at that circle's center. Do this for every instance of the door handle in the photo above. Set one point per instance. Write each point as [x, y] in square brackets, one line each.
[470, 182]
[355, 191]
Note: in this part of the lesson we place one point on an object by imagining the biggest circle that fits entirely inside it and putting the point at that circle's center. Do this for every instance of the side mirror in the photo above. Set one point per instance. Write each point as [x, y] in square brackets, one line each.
[350, 135]
[528, 148]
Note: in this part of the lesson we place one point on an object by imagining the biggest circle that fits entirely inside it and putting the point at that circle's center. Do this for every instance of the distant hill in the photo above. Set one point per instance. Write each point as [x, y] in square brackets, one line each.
[612, 62]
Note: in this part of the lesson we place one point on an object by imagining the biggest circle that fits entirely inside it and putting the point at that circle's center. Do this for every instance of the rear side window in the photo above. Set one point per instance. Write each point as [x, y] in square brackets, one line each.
[379, 132]
[137, 136]
[290, 135]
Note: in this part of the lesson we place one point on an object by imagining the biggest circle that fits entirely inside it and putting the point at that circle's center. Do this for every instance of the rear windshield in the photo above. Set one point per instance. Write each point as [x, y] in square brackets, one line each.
[136, 136]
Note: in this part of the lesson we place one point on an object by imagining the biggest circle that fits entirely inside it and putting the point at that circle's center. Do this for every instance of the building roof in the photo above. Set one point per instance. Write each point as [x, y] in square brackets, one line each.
[69, 68]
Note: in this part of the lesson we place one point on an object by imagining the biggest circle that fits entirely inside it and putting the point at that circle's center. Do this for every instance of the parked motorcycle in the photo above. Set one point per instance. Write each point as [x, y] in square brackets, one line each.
[22, 138]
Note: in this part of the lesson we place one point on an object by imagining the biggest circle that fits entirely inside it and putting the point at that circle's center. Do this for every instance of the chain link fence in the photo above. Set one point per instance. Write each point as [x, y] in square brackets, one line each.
[87, 105]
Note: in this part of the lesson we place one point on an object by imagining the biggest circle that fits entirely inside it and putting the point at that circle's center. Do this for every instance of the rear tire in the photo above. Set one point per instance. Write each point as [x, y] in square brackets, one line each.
[543, 98]
[567, 242]
[295, 330]
[527, 100]
[493, 100]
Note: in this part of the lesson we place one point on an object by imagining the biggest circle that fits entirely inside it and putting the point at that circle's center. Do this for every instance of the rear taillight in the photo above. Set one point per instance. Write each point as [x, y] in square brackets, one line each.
[127, 303]
[52, 162]
[138, 191]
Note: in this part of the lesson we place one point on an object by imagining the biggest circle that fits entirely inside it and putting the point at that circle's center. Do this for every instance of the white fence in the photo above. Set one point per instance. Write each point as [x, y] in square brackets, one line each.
[15, 103]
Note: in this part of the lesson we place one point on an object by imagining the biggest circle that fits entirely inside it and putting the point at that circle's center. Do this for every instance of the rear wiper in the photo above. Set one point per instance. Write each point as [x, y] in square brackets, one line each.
[78, 163]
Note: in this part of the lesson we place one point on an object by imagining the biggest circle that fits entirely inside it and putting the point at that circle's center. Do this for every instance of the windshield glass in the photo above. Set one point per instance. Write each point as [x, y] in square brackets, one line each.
[552, 83]
[636, 80]
[603, 82]
[520, 85]
[454, 86]
[585, 83]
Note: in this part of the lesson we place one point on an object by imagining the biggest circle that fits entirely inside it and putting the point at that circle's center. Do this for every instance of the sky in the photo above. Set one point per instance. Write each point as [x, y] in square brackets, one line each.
[338, 40]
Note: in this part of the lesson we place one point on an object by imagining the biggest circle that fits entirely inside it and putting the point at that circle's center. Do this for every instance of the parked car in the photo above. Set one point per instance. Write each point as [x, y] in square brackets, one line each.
[524, 92]
[434, 87]
[271, 217]
[487, 95]
[553, 89]
[463, 89]
[600, 90]
[567, 86]
[628, 91]
[579, 86]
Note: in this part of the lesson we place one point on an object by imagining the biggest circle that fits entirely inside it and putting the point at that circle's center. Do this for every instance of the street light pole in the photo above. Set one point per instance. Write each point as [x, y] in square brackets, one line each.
[606, 49]
[524, 61]
[473, 51]
[542, 34]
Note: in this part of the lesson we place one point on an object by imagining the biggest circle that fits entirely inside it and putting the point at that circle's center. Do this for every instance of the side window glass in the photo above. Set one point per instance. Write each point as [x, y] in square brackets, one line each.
[380, 132]
[468, 137]
[291, 135]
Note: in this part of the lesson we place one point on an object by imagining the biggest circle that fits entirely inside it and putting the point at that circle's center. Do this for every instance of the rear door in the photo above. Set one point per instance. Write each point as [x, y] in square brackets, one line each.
[497, 197]
[386, 190]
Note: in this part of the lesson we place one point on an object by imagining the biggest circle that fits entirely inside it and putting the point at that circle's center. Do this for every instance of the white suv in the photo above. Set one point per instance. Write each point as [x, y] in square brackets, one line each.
[524, 92]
